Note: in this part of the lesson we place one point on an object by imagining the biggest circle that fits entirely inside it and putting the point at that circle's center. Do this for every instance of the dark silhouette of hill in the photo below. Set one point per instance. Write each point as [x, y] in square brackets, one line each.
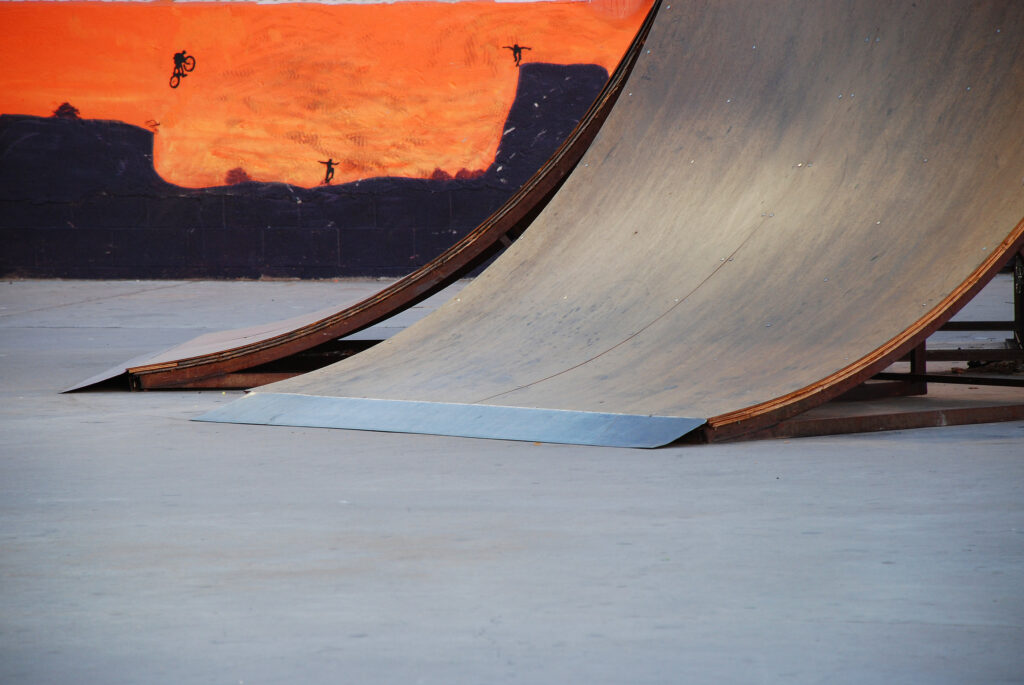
[80, 198]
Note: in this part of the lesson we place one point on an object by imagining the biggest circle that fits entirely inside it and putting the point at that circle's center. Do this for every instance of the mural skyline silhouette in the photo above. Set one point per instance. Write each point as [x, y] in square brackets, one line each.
[399, 90]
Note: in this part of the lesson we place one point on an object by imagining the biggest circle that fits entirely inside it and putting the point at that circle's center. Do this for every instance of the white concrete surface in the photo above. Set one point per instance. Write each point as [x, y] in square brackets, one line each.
[139, 547]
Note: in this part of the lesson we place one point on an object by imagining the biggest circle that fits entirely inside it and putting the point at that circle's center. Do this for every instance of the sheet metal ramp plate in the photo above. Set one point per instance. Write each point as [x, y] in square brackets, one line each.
[466, 420]
[788, 196]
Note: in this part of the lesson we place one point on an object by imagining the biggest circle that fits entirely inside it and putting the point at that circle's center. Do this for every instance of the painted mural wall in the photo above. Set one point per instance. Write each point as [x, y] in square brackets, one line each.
[169, 139]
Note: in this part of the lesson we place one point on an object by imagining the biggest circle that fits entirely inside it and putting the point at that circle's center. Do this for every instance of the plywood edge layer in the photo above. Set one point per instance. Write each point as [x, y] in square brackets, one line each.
[452, 419]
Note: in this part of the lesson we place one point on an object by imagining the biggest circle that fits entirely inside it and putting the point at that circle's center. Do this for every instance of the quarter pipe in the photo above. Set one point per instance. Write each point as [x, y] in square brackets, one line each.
[787, 197]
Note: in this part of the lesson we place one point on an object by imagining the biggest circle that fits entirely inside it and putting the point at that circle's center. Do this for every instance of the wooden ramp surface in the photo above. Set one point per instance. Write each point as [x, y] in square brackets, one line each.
[788, 196]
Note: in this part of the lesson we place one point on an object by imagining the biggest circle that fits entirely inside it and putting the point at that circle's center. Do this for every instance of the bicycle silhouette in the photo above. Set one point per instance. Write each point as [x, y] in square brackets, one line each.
[182, 65]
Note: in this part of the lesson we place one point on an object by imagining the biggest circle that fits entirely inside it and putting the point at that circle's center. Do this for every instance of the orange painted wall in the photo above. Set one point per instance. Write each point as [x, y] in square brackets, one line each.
[397, 89]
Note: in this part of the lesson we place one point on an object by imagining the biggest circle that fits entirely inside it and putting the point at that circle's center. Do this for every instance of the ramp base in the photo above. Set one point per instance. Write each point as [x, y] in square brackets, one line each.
[944, 405]
[462, 420]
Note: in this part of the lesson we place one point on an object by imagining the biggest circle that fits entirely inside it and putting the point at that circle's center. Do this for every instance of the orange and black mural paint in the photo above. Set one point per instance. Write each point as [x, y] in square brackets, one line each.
[243, 96]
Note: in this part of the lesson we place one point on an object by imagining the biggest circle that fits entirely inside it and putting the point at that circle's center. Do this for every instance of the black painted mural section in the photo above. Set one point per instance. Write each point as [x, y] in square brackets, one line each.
[81, 199]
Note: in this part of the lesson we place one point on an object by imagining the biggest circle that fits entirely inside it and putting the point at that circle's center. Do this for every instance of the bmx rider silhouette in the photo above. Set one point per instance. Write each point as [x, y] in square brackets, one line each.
[183, 63]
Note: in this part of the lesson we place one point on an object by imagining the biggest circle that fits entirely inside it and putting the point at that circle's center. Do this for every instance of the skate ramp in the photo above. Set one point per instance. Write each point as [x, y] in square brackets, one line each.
[787, 197]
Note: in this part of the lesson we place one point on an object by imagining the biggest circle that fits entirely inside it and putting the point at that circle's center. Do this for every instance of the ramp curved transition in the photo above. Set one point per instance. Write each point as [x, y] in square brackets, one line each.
[788, 196]
[228, 358]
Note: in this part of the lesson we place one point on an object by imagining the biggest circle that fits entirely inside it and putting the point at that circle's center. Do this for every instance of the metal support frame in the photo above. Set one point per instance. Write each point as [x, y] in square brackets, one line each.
[1015, 327]
[1014, 350]
[1018, 299]
[958, 379]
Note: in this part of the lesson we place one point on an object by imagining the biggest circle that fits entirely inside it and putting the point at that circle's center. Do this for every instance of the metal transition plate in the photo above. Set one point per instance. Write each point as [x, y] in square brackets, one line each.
[462, 420]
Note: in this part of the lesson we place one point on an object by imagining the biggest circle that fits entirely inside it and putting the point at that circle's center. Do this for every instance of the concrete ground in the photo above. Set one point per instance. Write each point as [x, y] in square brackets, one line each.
[139, 547]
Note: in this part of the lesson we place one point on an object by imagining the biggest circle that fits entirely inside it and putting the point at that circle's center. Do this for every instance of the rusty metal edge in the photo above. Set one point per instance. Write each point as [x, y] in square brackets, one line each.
[461, 258]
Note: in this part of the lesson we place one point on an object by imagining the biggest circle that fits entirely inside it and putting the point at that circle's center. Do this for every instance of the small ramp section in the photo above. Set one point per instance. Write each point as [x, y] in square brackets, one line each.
[788, 197]
[235, 358]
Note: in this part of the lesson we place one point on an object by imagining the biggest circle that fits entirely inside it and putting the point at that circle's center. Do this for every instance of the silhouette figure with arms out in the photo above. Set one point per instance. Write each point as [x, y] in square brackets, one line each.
[330, 170]
[182, 65]
[517, 51]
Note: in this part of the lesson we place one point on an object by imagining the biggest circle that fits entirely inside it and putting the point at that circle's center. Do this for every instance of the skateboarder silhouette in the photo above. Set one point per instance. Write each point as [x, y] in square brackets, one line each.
[517, 51]
[330, 170]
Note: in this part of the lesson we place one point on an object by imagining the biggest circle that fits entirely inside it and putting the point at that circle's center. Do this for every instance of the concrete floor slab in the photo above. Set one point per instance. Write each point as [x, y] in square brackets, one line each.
[139, 546]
